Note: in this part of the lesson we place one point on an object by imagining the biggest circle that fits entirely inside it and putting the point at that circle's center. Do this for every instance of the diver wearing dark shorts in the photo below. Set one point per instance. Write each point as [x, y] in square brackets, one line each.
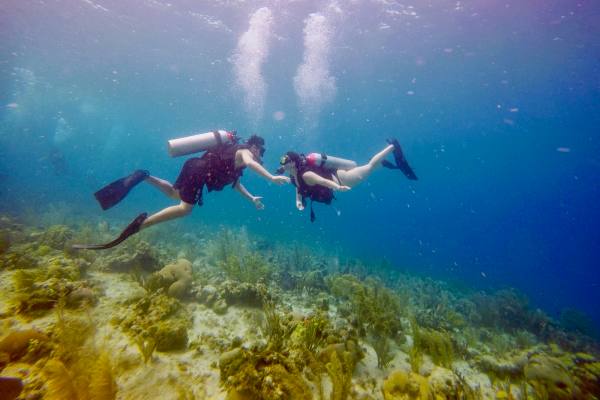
[216, 169]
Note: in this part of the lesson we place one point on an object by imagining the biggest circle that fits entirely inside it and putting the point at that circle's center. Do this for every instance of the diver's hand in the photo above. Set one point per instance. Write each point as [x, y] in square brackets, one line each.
[257, 203]
[343, 188]
[280, 179]
[299, 205]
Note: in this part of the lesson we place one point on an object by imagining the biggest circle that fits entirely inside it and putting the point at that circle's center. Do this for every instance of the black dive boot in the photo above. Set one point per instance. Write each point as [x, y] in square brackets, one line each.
[401, 162]
[132, 228]
[113, 193]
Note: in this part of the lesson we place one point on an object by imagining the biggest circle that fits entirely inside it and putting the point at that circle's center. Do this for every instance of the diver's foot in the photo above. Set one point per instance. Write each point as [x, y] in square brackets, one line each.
[131, 229]
[137, 176]
[401, 162]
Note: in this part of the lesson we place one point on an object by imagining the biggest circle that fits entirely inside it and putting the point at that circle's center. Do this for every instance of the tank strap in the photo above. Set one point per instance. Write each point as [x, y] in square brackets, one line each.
[218, 138]
[323, 159]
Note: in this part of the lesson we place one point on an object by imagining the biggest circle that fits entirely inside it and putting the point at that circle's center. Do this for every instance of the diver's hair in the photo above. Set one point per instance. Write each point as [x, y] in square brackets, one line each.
[255, 140]
[294, 157]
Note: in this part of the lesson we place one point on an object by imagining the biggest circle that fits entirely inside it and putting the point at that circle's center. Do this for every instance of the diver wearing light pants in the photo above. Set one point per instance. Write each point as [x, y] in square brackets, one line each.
[317, 176]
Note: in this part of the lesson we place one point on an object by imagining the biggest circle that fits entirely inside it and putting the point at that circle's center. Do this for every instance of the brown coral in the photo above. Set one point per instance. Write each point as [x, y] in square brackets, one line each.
[175, 277]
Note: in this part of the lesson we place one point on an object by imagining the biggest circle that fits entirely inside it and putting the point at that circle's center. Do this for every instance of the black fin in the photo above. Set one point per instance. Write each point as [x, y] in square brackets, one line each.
[401, 162]
[387, 164]
[10, 387]
[113, 193]
[132, 228]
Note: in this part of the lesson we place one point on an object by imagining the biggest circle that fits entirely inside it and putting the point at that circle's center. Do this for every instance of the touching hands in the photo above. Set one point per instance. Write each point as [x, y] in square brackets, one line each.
[280, 179]
[343, 188]
[257, 203]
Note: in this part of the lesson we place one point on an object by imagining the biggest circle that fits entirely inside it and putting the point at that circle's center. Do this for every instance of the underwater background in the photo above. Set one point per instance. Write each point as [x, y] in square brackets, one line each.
[495, 103]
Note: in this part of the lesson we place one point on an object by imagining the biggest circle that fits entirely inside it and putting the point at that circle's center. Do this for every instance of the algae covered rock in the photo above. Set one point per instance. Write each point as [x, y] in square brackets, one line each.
[161, 318]
[401, 385]
[19, 257]
[549, 377]
[261, 375]
[16, 344]
[56, 236]
[40, 289]
[133, 256]
[243, 293]
[231, 292]
[444, 384]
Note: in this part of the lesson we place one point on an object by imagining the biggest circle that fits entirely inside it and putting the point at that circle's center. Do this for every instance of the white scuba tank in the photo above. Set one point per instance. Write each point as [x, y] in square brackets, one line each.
[200, 142]
[329, 162]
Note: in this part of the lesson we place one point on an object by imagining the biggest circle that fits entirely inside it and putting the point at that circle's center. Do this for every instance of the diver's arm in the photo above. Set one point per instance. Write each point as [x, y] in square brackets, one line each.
[299, 204]
[313, 179]
[244, 192]
[251, 163]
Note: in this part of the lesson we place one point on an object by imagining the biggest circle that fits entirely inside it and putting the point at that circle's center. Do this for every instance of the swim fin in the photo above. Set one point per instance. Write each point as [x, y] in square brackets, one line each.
[132, 228]
[388, 164]
[113, 193]
[10, 387]
[401, 162]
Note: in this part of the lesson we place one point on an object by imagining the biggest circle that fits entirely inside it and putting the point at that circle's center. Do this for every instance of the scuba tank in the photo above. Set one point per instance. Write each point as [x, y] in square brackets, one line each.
[200, 142]
[329, 162]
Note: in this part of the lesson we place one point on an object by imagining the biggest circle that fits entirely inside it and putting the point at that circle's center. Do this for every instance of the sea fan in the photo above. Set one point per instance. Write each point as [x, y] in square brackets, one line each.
[59, 384]
[102, 383]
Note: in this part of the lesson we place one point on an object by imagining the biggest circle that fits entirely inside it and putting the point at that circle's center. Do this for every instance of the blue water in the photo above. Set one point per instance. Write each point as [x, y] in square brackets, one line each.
[495, 103]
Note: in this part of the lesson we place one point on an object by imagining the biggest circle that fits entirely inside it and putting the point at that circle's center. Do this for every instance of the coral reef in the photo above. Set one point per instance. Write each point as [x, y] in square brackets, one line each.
[270, 322]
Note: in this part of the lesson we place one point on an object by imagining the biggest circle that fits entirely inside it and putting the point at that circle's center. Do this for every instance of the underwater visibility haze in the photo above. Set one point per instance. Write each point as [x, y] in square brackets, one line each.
[483, 273]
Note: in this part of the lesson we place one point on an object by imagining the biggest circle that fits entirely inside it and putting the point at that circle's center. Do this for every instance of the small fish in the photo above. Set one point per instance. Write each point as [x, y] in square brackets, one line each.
[483, 274]
[563, 149]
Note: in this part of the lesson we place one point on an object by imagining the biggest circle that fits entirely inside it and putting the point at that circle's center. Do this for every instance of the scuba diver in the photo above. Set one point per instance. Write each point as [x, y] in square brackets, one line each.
[221, 165]
[316, 176]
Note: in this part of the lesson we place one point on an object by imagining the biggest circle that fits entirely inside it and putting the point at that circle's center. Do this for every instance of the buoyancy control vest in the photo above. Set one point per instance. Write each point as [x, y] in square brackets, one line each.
[220, 169]
[318, 193]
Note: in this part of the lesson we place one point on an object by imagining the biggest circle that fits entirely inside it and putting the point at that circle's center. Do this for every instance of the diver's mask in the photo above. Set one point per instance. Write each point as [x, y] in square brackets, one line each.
[283, 164]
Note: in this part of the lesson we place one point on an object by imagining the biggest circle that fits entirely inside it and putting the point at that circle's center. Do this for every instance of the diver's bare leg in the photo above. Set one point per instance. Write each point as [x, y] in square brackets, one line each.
[163, 186]
[356, 175]
[169, 213]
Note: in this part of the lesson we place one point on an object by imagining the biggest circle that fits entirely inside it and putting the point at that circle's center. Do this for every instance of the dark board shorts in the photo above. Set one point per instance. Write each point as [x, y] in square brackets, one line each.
[191, 181]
